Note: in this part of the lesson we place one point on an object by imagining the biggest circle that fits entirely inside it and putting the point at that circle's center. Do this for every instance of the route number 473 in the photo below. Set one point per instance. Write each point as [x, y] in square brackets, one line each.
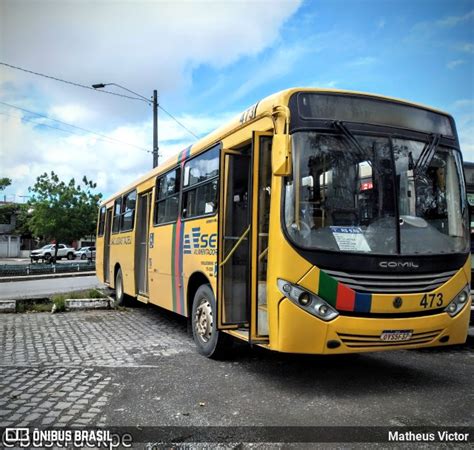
[430, 300]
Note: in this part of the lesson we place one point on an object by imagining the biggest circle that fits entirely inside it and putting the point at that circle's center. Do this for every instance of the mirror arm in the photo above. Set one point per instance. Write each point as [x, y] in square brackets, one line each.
[281, 151]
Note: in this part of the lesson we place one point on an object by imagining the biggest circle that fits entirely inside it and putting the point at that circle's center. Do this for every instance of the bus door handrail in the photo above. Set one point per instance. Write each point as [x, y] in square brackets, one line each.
[234, 248]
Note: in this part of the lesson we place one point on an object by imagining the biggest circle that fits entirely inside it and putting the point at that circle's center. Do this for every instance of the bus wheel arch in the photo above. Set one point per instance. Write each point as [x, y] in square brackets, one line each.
[116, 269]
[196, 280]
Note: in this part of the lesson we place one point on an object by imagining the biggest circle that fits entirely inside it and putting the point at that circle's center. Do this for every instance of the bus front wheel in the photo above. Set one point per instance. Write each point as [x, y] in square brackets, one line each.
[209, 341]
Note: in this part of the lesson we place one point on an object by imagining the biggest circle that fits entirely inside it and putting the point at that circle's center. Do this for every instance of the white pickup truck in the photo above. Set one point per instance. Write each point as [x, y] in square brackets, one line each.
[47, 252]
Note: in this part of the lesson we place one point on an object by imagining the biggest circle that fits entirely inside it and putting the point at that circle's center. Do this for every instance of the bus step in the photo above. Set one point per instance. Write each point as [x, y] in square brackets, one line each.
[262, 292]
[262, 322]
[142, 298]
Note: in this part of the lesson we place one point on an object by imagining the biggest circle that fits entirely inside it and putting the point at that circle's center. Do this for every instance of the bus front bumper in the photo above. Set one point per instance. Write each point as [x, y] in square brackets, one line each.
[300, 332]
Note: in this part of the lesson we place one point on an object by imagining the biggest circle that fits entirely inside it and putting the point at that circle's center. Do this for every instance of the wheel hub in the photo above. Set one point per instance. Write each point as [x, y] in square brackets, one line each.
[203, 320]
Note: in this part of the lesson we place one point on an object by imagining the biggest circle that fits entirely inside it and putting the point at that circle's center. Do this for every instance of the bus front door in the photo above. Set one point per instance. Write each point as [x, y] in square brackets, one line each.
[243, 237]
[234, 236]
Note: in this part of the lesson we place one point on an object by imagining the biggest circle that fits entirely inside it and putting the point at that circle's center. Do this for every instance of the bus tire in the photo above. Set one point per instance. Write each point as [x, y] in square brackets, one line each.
[119, 292]
[209, 341]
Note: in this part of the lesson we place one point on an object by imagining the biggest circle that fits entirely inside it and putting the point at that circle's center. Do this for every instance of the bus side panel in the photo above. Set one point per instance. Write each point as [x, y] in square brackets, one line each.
[99, 258]
[199, 250]
[122, 247]
[161, 257]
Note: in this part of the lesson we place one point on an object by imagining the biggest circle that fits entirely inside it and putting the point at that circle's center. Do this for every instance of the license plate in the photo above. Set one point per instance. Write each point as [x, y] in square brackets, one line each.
[396, 335]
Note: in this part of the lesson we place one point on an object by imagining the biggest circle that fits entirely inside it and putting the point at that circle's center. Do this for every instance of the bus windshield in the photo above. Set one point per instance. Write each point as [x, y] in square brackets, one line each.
[383, 196]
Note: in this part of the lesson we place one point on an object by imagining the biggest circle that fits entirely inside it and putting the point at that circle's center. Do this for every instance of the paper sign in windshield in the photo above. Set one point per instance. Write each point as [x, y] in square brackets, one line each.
[350, 239]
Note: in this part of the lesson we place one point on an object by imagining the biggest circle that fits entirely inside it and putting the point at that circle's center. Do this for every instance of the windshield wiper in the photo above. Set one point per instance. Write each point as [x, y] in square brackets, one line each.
[353, 140]
[427, 154]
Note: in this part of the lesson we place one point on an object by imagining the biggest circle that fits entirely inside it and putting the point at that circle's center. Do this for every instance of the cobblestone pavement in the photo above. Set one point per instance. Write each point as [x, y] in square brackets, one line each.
[52, 366]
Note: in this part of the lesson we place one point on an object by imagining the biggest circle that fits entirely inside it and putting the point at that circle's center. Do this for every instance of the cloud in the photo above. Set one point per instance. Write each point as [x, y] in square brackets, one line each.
[29, 150]
[452, 21]
[465, 124]
[466, 47]
[463, 113]
[276, 65]
[143, 45]
[428, 28]
[380, 24]
[463, 103]
[325, 84]
[74, 113]
[363, 61]
[455, 63]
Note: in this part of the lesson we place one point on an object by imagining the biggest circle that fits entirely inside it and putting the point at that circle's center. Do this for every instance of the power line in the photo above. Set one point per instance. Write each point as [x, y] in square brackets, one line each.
[60, 129]
[96, 90]
[69, 82]
[177, 121]
[74, 126]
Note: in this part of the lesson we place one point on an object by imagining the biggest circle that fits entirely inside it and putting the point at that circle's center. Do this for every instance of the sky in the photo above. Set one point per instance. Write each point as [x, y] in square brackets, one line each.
[209, 60]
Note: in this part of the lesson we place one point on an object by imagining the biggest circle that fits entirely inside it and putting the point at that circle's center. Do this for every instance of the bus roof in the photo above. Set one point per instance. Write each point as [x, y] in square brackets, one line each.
[264, 105]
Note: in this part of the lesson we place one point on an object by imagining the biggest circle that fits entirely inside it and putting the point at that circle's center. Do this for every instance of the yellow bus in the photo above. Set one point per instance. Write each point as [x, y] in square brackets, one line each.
[318, 221]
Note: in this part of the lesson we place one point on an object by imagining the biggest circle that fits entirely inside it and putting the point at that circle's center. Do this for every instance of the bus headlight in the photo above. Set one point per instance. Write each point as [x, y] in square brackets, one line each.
[458, 302]
[308, 301]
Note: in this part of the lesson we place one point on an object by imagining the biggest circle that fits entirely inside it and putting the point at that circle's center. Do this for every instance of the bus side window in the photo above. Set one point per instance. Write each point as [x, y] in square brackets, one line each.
[200, 184]
[128, 211]
[167, 197]
[117, 209]
[101, 227]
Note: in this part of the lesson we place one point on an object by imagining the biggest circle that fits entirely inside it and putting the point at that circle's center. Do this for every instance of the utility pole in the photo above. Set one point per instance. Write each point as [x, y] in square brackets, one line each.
[155, 128]
[155, 105]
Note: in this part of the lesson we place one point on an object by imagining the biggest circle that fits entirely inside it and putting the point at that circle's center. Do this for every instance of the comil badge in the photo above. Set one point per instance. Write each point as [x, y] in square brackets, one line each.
[397, 302]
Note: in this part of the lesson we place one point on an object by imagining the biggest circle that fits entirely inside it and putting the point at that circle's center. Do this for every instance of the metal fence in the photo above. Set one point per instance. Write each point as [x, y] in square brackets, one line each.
[12, 270]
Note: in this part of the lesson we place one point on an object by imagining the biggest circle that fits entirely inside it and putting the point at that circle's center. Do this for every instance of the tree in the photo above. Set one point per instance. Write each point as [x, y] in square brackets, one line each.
[63, 211]
[4, 183]
[7, 210]
[22, 217]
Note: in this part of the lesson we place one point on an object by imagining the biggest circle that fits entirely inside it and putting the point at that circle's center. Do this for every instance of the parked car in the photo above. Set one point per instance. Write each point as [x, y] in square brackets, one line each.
[85, 253]
[47, 252]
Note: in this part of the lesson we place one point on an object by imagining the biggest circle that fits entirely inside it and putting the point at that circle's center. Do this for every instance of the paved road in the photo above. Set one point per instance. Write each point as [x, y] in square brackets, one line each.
[138, 367]
[47, 287]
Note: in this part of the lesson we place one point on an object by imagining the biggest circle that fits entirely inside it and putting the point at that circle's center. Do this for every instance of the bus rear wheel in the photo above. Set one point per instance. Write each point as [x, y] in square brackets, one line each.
[209, 341]
[119, 292]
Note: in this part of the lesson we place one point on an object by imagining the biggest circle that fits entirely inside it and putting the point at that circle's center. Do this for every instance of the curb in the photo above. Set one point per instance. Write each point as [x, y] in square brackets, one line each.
[46, 276]
[72, 304]
[87, 303]
[7, 306]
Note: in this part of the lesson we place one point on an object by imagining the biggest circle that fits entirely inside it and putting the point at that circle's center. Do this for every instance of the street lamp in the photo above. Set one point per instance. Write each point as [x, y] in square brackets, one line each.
[154, 102]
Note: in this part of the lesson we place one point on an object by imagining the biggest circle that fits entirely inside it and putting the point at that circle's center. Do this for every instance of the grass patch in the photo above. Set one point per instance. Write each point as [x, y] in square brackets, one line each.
[41, 307]
[59, 302]
[89, 293]
[34, 305]
[60, 299]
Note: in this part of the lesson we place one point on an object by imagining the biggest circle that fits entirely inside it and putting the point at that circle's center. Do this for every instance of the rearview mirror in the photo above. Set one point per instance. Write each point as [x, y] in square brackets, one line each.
[281, 155]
